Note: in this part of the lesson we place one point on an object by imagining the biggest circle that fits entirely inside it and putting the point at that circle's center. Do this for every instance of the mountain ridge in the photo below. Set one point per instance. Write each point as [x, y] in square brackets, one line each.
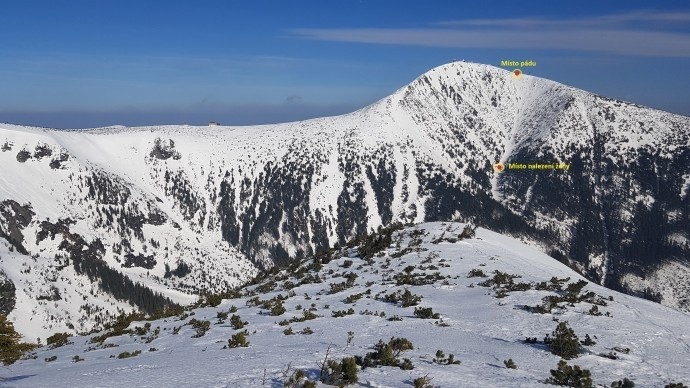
[478, 295]
[171, 197]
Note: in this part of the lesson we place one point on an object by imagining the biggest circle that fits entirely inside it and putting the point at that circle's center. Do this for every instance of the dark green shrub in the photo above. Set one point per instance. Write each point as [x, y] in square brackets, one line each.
[278, 308]
[406, 364]
[452, 360]
[349, 368]
[426, 313]
[222, 315]
[406, 298]
[556, 284]
[441, 359]
[353, 298]
[440, 356]
[568, 376]
[371, 244]
[386, 354]
[307, 316]
[340, 373]
[417, 279]
[212, 300]
[576, 288]
[342, 313]
[469, 231]
[476, 273]
[409, 299]
[288, 331]
[11, 349]
[399, 345]
[201, 327]
[422, 382]
[337, 287]
[77, 358]
[519, 287]
[239, 340]
[564, 342]
[266, 287]
[509, 363]
[128, 354]
[288, 285]
[142, 330]
[625, 383]
[236, 322]
[588, 341]
[51, 358]
[594, 311]
[297, 379]
[58, 339]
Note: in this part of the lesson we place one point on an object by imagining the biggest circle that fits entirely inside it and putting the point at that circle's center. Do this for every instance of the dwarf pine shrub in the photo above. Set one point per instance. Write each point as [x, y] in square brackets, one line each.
[570, 376]
[564, 342]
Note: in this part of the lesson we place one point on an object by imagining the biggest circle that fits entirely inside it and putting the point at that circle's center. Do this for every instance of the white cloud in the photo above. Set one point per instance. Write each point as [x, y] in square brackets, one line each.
[635, 34]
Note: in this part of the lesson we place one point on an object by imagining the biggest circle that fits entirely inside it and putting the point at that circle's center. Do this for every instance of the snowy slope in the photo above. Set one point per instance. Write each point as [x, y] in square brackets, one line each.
[183, 210]
[482, 330]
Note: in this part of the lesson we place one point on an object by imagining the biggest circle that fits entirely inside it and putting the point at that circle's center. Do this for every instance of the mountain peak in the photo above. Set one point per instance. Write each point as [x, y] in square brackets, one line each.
[181, 210]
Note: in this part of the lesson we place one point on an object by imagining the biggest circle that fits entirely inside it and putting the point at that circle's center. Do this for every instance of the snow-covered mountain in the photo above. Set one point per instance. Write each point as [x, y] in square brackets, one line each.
[94, 221]
[491, 294]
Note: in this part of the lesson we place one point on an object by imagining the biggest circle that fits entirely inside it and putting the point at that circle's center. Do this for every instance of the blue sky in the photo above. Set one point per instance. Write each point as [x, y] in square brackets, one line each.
[85, 63]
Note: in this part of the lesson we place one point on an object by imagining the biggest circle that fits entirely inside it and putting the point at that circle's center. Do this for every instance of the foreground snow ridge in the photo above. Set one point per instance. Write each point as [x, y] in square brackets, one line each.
[486, 289]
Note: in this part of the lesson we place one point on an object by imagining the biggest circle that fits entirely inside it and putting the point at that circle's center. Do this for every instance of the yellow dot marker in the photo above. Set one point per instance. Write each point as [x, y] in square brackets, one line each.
[517, 73]
[499, 167]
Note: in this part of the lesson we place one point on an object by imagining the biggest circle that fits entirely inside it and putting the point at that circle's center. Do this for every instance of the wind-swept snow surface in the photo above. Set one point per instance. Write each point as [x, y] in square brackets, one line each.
[650, 342]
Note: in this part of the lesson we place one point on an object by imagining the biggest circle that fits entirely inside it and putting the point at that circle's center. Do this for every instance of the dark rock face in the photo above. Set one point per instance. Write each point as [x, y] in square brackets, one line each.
[139, 260]
[41, 151]
[13, 219]
[23, 156]
[164, 150]
[186, 199]
[49, 229]
[57, 162]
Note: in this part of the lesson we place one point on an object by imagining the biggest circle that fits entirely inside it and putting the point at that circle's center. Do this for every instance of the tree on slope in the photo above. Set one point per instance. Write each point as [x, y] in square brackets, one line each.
[10, 347]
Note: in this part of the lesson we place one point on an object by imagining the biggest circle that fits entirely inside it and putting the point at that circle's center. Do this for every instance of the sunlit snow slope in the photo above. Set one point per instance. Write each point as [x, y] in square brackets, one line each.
[182, 210]
[481, 324]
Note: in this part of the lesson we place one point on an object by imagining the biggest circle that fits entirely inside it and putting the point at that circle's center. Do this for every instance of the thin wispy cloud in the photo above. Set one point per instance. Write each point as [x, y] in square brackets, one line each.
[635, 34]
[635, 20]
